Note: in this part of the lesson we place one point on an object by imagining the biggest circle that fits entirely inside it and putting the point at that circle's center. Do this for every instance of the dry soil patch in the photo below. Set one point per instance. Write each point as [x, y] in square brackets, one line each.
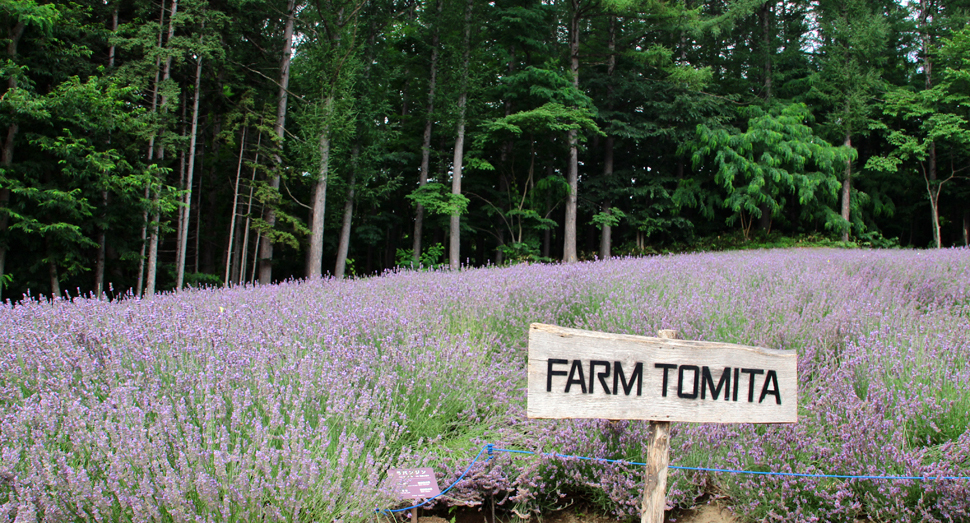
[711, 513]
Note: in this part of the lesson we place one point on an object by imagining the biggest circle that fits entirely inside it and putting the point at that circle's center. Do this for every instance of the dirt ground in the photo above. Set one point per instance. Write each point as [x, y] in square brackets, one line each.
[711, 513]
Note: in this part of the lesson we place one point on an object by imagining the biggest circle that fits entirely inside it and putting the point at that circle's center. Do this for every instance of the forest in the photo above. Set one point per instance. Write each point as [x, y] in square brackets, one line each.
[153, 145]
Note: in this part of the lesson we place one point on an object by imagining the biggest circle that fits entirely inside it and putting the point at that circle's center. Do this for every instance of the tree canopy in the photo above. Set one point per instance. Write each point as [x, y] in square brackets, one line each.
[152, 145]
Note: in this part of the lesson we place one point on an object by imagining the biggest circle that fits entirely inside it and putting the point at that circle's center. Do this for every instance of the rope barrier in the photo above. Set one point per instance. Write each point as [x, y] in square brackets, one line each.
[492, 449]
[735, 471]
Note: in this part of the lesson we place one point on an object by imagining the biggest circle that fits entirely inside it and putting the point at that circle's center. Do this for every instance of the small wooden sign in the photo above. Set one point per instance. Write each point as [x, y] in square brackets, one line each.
[585, 374]
[414, 483]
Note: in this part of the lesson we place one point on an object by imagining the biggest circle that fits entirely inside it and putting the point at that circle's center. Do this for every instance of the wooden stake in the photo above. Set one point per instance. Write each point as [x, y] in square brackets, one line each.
[414, 515]
[658, 458]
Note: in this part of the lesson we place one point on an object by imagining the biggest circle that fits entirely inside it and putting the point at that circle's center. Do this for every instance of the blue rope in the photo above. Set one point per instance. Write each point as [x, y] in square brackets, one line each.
[836, 476]
[735, 471]
[492, 449]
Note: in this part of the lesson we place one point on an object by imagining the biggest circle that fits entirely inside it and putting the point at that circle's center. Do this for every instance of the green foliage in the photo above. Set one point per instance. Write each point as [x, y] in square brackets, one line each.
[849, 76]
[430, 257]
[550, 118]
[438, 199]
[535, 86]
[523, 252]
[42, 16]
[735, 240]
[776, 157]
[934, 121]
[663, 83]
[612, 217]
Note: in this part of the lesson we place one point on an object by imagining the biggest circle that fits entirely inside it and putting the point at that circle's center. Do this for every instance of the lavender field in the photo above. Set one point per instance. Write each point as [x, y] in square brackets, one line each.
[290, 402]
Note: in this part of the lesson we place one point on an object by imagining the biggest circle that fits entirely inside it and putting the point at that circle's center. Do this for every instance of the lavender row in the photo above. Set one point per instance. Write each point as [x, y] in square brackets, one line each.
[290, 402]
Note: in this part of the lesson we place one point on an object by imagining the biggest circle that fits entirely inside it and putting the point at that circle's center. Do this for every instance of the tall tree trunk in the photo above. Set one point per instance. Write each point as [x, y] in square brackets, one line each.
[569, 254]
[160, 155]
[426, 141]
[607, 231]
[454, 242]
[114, 30]
[102, 244]
[934, 188]
[847, 191]
[103, 229]
[252, 275]
[182, 170]
[926, 13]
[547, 232]
[269, 211]
[935, 213]
[768, 51]
[52, 271]
[142, 259]
[235, 201]
[344, 245]
[504, 169]
[144, 242]
[152, 251]
[6, 156]
[187, 209]
[236, 269]
[314, 260]
[606, 234]
[206, 226]
[765, 17]
[249, 214]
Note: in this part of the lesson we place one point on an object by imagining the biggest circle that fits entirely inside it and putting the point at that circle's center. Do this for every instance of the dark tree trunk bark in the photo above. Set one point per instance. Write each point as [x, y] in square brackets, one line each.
[932, 185]
[160, 155]
[232, 255]
[269, 211]
[103, 229]
[454, 242]
[344, 246]
[206, 225]
[764, 221]
[151, 156]
[607, 231]
[55, 280]
[847, 191]
[765, 17]
[314, 260]
[569, 254]
[187, 209]
[249, 213]
[182, 170]
[6, 157]
[102, 245]
[426, 140]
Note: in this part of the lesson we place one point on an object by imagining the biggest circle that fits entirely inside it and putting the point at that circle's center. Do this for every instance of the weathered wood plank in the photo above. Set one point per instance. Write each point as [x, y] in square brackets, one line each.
[584, 374]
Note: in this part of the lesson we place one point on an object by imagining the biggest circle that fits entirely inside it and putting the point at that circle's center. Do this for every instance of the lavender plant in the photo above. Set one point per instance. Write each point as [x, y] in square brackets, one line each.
[290, 402]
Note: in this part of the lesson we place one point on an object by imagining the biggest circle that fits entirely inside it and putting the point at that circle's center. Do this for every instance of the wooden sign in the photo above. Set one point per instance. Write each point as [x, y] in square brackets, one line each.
[585, 374]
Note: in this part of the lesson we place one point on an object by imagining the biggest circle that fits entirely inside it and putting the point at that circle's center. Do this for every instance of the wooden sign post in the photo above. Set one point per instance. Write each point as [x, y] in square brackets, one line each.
[585, 374]
[658, 459]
